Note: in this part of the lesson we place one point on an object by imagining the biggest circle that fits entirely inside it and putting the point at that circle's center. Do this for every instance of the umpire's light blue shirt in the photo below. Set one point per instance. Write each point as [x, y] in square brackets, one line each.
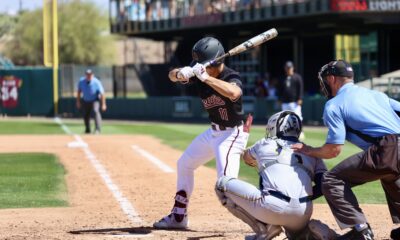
[90, 89]
[370, 112]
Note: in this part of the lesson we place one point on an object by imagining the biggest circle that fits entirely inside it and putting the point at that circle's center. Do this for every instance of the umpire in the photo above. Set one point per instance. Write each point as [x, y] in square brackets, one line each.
[370, 120]
[92, 90]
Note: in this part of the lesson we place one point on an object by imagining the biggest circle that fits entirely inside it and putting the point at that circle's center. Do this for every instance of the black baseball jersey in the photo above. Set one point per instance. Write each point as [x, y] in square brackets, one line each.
[222, 110]
[290, 89]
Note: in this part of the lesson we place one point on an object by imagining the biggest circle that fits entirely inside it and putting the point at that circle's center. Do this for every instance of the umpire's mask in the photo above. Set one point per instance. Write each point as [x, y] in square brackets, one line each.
[338, 68]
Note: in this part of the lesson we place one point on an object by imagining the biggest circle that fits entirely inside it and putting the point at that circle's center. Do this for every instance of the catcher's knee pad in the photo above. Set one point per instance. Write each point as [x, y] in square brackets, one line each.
[221, 183]
[220, 188]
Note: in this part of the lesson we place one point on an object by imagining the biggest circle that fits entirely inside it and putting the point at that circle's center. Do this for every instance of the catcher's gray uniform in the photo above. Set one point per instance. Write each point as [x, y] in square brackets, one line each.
[286, 185]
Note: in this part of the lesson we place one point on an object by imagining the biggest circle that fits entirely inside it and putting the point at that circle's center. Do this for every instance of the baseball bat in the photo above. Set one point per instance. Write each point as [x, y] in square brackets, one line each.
[251, 43]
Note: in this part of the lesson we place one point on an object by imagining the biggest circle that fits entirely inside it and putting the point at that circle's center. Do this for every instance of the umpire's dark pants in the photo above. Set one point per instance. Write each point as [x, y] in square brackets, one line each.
[378, 162]
[88, 107]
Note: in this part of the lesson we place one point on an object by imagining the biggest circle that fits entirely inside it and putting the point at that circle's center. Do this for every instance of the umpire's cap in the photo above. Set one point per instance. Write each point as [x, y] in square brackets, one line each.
[207, 49]
[89, 71]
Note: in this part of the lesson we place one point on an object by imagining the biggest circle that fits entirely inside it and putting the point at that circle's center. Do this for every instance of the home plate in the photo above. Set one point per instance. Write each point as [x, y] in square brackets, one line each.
[77, 144]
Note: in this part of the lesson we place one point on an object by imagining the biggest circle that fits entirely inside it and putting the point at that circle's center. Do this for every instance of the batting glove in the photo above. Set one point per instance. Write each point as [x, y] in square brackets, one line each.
[185, 73]
[200, 72]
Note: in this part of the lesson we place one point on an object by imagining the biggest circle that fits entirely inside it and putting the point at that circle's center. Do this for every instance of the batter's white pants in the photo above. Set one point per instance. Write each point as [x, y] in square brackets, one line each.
[293, 106]
[293, 215]
[225, 146]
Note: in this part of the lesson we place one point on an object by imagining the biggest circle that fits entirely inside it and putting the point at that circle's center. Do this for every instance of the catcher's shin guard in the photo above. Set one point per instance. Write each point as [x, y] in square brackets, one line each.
[263, 231]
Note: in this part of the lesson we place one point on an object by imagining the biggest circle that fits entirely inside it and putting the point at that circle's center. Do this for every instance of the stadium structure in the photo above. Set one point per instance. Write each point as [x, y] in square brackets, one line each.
[311, 33]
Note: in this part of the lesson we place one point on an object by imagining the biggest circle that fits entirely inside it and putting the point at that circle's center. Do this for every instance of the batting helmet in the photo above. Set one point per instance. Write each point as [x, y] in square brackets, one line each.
[207, 49]
[338, 68]
[284, 124]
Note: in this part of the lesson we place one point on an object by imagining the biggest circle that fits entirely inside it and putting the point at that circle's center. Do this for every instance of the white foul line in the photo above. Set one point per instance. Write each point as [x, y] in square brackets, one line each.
[124, 203]
[63, 126]
[153, 159]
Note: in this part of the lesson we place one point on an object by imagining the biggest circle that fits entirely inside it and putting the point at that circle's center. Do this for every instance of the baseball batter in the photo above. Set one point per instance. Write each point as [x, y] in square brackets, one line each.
[286, 185]
[220, 90]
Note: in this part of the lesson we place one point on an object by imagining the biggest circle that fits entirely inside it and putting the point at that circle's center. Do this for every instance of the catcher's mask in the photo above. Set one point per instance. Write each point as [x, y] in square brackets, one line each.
[207, 49]
[284, 124]
[338, 68]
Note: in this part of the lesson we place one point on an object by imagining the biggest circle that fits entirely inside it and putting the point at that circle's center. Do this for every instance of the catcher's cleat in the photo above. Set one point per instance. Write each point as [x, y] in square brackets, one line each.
[365, 234]
[395, 234]
[169, 222]
[269, 232]
[321, 231]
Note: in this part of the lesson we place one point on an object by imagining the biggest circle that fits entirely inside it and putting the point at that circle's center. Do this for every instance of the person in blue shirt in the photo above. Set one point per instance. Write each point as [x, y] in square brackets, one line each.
[370, 120]
[92, 92]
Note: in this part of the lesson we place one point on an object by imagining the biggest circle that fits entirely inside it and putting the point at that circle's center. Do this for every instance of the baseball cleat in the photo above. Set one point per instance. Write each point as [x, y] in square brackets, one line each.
[365, 234]
[395, 234]
[269, 232]
[169, 222]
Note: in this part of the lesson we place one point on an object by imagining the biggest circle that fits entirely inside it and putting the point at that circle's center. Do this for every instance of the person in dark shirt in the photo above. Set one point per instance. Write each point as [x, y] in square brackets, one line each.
[290, 92]
[220, 90]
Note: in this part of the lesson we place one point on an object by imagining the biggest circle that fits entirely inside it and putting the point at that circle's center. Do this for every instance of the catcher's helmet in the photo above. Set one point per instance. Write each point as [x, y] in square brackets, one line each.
[338, 68]
[207, 49]
[284, 124]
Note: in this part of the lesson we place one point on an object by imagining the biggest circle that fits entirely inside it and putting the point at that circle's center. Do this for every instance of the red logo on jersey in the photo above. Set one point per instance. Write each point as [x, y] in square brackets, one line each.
[213, 101]
[9, 91]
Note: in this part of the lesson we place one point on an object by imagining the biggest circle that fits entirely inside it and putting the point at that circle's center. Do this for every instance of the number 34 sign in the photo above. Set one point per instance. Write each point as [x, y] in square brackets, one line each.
[9, 90]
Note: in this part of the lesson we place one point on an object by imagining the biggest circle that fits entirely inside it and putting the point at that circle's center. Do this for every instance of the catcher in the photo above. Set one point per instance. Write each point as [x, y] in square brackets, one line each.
[285, 196]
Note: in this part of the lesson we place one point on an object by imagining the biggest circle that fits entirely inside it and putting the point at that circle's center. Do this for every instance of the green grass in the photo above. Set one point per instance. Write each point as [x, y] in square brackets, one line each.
[29, 127]
[180, 135]
[31, 180]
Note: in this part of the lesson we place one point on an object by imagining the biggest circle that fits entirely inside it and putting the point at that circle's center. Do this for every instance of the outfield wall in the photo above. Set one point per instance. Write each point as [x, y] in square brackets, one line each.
[188, 109]
[26, 91]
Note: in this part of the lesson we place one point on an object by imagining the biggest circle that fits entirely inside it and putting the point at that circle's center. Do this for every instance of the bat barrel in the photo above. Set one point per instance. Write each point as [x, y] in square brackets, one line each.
[251, 43]
[255, 41]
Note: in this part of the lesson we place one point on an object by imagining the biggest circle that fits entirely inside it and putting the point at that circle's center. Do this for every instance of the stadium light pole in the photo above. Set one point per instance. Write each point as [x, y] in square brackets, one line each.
[50, 44]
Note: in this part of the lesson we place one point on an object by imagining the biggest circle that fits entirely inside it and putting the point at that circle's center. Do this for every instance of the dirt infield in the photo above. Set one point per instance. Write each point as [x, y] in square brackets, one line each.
[94, 213]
